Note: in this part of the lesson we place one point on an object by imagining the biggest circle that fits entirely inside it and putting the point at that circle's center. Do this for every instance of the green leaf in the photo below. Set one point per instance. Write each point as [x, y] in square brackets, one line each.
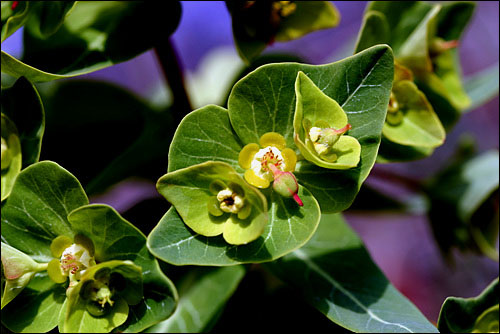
[256, 25]
[47, 17]
[18, 268]
[79, 319]
[374, 30]
[94, 35]
[190, 191]
[11, 155]
[36, 210]
[13, 19]
[37, 308]
[337, 276]
[482, 86]
[197, 140]
[419, 126]
[17, 68]
[115, 238]
[23, 105]
[315, 109]
[289, 227]
[466, 315]
[264, 101]
[203, 293]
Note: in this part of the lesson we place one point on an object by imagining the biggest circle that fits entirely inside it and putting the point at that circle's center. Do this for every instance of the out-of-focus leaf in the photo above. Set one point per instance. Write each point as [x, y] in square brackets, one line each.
[482, 87]
[23, 105]
[335, 273]
[48, 16]
[464, 204]
[14, 16]
[203, 293]
[258, 24]
[471, 315]
[11, 155]
[94, 35]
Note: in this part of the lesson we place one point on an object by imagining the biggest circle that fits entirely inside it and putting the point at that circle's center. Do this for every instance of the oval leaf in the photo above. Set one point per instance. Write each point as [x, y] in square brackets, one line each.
[337, 276]
[36, 211]
[201, 301]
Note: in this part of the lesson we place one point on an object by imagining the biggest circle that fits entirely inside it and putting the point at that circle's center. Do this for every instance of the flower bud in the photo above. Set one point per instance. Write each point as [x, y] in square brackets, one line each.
[286, 184]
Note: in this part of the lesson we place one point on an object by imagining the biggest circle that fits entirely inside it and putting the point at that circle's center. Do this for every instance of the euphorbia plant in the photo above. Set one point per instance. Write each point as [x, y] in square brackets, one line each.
[255, 186]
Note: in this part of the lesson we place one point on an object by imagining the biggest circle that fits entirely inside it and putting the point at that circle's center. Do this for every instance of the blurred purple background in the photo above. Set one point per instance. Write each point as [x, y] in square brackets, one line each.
[402, 245]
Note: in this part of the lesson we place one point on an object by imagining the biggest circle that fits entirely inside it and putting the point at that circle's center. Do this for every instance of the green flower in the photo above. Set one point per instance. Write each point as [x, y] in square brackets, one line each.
[320, 125]
[213, 199]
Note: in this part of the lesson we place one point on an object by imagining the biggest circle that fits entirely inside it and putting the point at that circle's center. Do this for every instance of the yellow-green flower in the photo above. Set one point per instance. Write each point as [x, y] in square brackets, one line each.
[256, 159]
[271, 161]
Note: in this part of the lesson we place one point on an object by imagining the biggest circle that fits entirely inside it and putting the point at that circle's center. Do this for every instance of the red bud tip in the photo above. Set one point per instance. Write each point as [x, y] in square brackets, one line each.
[14, 5]
[298, 200]
[344, 129]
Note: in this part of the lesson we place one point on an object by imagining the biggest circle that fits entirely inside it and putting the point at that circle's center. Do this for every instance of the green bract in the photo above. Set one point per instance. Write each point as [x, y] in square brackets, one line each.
[199, 196]
[417, 125]
[258, 24]
[11, 155]
[18, 269]
[264, 101]
[315, 110]
[47, 217]
[114, 284]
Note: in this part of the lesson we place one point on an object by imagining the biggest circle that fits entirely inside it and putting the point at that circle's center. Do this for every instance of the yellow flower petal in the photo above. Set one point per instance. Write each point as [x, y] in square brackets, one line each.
[290, 159]
[272, 139]
[254, 180]
[246, 155]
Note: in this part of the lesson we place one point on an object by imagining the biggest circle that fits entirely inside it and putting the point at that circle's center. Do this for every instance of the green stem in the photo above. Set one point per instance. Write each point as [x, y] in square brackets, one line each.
[172, 72]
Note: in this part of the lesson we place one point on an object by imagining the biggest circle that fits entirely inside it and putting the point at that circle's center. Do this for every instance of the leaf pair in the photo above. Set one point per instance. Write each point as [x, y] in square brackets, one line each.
[262, 102]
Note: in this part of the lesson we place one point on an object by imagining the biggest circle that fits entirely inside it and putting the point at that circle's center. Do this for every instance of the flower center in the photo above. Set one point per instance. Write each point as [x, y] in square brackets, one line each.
[230, 201]
[74, 259]
[263, 158]
[323, 140]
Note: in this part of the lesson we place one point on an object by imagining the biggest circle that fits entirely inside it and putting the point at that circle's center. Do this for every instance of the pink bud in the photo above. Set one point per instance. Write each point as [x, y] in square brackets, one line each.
[285, 184]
